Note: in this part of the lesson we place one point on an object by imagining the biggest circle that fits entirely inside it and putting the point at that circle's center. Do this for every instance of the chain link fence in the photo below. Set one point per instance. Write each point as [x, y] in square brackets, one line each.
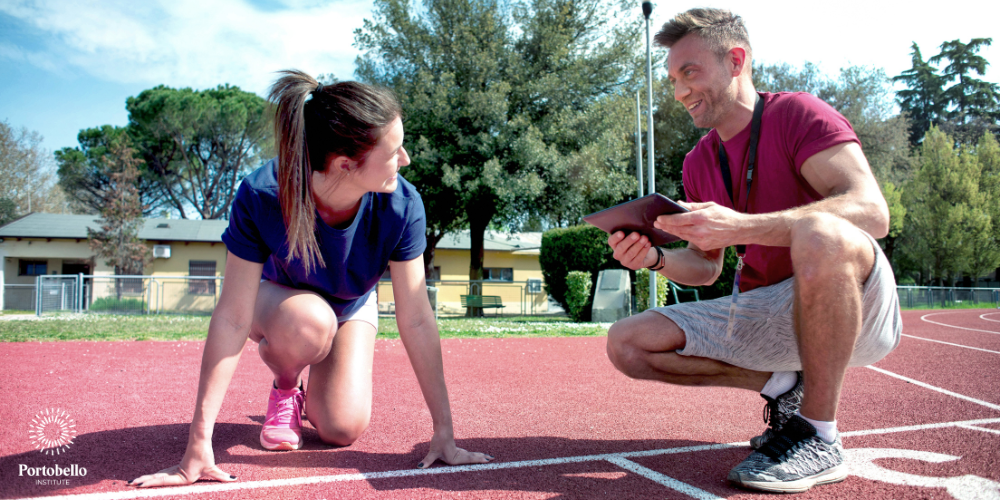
[939, 296]
[116, 294]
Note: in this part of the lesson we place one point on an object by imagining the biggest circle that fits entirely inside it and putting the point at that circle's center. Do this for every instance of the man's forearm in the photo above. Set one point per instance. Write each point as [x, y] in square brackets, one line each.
[775, 229]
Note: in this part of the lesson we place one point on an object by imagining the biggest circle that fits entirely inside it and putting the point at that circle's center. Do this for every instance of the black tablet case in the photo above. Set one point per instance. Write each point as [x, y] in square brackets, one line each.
[638, 216]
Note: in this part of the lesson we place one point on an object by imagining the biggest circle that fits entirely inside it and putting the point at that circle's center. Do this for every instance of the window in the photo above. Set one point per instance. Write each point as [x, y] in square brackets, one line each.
[31, 267]
[498, 274]
[201, 268]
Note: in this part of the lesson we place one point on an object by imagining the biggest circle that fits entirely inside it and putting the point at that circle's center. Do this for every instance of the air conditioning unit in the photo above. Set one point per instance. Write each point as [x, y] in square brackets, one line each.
[161, 251]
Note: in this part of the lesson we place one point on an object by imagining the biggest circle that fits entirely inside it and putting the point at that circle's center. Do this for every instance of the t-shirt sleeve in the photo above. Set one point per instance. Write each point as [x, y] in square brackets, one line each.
[414, 239]
[814, 126]
[242, 237]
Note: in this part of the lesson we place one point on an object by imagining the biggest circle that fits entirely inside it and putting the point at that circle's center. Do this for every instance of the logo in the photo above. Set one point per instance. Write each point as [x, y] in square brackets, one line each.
[52, 431]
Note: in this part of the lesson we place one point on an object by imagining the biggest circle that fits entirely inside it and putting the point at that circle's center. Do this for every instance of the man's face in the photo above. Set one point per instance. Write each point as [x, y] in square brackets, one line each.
[702, 82]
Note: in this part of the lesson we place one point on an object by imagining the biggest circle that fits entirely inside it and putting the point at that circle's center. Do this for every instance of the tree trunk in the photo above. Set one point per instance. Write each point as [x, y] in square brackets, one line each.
[432, 241]
[478, 222]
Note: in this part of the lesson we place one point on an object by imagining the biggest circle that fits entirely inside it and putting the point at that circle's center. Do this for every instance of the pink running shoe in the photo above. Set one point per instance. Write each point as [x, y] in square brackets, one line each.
[283, 425]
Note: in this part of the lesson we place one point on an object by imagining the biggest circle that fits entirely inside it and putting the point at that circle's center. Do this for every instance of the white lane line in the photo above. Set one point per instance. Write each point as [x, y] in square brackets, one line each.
[938, 389]
[924, 318]
[949, 343]
[663, 479]
[984, 316]
[982, 429]
[609, 457]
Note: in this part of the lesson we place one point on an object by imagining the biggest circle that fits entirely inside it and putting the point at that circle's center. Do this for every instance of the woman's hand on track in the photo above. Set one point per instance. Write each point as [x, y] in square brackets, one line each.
[443, 448]
[193, 467]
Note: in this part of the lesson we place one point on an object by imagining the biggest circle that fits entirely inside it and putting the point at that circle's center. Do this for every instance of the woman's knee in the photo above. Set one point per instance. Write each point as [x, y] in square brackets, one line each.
[303, 324]
[342, 431]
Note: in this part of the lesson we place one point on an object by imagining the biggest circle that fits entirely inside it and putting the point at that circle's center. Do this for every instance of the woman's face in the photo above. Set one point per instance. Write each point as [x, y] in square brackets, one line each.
[378, 172]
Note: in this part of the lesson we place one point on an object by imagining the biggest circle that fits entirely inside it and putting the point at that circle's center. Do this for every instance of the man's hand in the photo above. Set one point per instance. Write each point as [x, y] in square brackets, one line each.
[708, 226]
[632, 250]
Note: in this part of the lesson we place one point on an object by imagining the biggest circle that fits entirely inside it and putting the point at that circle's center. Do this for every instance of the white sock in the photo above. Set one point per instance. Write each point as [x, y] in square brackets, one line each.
[779, 383]
[827, 431]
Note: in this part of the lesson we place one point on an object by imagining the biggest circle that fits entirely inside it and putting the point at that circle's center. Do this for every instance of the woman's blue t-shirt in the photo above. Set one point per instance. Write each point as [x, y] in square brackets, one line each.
[388, 226]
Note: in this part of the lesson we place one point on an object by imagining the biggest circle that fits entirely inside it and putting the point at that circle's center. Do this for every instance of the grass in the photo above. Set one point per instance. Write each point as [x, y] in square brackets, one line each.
[968, 304]
[107, 327]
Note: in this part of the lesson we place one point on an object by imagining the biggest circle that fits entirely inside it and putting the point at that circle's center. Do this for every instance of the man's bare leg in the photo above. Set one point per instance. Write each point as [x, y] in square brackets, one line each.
[644, 347]
[832, 260]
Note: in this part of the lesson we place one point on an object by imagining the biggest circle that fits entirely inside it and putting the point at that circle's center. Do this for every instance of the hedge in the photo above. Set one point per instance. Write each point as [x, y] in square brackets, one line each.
[577, 248]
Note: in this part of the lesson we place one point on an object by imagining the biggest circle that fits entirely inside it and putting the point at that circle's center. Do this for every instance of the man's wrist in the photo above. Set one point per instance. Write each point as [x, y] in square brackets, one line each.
[656, 266]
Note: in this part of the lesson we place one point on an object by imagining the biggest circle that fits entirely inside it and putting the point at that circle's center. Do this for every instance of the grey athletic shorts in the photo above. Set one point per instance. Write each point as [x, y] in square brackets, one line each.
[763, 334]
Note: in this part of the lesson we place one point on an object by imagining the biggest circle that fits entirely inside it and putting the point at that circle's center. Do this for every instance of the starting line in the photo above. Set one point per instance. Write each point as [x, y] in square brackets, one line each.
[619, 459]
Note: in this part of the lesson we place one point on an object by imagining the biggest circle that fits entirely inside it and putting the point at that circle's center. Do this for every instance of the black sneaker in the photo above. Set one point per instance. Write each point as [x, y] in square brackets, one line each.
[778, 411]
[792, 461]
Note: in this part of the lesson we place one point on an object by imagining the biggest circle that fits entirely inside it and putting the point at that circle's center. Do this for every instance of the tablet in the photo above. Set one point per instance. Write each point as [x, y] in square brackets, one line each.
[638, 216]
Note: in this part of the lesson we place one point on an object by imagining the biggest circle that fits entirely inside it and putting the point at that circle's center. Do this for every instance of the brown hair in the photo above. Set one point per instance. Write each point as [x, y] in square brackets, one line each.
[341, 119]
[722, 29]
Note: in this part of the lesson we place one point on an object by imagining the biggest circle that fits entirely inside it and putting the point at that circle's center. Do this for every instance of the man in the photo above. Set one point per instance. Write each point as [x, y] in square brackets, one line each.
[816, 294]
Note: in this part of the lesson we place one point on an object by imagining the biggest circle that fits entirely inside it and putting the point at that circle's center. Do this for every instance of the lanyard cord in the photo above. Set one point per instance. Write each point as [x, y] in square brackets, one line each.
[758, 111]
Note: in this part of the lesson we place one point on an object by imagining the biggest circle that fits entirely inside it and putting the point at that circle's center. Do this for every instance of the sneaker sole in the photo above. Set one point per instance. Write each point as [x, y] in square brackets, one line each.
[282, 446]
[831, 475]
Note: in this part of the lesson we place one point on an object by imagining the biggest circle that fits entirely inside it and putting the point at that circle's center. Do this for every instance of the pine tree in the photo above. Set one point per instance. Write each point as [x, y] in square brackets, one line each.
[118, 239]
[923, 101]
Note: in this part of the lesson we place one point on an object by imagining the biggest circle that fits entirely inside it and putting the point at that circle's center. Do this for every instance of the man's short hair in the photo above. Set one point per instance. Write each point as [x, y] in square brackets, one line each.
[722, 29]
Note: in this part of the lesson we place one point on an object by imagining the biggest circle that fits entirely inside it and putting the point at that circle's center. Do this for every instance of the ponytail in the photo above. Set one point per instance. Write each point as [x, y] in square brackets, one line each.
[341, 119]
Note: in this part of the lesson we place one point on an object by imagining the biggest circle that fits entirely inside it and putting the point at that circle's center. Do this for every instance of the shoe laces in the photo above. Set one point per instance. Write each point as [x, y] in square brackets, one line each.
[790, 436]
[772, 413]
[286, 410]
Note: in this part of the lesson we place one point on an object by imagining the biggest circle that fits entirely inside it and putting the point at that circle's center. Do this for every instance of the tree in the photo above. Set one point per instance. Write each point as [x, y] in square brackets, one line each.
[509, 105]
[987, 257]
[923, 100]
[118, 239]
[948, 222]
[26, 170]
[970, 97]
[83, 173]
[198, 145]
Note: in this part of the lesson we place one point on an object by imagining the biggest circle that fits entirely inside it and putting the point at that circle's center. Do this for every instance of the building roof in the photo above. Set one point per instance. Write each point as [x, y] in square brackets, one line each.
[39, 225]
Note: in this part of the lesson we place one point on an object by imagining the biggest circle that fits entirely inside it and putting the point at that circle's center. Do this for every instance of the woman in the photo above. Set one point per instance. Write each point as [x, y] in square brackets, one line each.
[339, 151]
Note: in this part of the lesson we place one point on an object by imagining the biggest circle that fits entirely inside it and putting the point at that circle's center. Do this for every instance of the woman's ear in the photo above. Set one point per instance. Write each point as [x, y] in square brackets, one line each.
[342, 164]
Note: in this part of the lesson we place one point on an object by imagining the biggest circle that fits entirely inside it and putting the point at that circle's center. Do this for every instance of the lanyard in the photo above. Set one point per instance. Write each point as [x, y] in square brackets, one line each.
[727, 178]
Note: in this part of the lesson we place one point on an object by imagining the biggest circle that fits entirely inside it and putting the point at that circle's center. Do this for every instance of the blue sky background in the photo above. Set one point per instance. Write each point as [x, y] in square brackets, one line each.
[66, 65]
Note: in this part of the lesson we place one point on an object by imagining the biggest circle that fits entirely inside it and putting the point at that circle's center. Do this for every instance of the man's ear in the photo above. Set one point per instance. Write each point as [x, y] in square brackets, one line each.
[736, 60]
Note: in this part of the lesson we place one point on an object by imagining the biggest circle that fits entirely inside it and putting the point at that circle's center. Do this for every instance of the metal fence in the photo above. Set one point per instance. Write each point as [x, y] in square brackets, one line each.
[939, 296]
[116, 294]
[519, 298]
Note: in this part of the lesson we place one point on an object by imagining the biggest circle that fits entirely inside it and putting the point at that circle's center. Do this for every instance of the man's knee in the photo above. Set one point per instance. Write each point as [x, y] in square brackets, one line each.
[632, 339]
[825, 247]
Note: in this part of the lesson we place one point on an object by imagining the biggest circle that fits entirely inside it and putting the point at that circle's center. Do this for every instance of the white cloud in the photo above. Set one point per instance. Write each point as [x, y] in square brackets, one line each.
[197, 43]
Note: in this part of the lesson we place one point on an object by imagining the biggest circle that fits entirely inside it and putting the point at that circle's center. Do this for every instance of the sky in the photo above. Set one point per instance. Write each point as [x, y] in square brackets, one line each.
[67, 65]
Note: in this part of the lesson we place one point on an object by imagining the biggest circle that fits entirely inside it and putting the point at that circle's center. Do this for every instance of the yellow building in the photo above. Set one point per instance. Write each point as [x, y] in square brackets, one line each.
[56, 244]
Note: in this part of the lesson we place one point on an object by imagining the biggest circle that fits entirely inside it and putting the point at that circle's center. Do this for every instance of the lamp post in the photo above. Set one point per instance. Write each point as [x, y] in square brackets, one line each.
[638, 143]
[647, 8]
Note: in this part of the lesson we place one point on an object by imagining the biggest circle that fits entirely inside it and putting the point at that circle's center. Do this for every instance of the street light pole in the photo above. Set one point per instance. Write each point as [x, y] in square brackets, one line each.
[638, 142]
[647, 9]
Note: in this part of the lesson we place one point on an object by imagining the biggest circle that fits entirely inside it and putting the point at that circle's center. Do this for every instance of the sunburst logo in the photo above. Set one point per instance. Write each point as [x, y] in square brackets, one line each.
[52, 431]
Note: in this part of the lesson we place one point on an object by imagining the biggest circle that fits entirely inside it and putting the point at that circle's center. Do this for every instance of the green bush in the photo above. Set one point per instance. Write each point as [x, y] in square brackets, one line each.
[118, 305]
[577, 248]
[578, 287]
[642, 290]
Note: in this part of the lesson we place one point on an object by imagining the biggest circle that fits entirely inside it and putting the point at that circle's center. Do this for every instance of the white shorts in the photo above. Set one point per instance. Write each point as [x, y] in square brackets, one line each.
[764, 334]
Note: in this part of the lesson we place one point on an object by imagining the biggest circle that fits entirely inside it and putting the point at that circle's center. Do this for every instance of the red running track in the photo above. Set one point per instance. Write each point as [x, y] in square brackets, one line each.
[924, 422]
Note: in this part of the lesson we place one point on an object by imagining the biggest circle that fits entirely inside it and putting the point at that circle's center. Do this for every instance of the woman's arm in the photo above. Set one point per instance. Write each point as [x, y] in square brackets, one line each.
[419, 333]
[227, 334]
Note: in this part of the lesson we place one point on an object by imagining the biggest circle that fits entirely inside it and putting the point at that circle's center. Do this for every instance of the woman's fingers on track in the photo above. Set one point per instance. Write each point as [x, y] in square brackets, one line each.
[175, 476]
[458, 457]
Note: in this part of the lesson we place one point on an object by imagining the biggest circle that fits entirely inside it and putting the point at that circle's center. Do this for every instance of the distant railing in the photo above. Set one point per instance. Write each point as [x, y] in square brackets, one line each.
[120, 294]
[520, 298]
[940, 296]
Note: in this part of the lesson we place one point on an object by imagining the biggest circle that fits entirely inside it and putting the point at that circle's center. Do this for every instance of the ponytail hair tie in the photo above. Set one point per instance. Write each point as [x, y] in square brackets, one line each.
[319, 88]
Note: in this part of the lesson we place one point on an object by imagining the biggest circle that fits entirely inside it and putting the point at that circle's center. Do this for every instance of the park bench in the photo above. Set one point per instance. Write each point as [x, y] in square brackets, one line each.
[483, 301]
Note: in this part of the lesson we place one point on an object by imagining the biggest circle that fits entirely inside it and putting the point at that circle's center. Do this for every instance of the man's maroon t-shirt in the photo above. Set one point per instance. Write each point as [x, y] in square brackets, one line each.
[794, 127]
